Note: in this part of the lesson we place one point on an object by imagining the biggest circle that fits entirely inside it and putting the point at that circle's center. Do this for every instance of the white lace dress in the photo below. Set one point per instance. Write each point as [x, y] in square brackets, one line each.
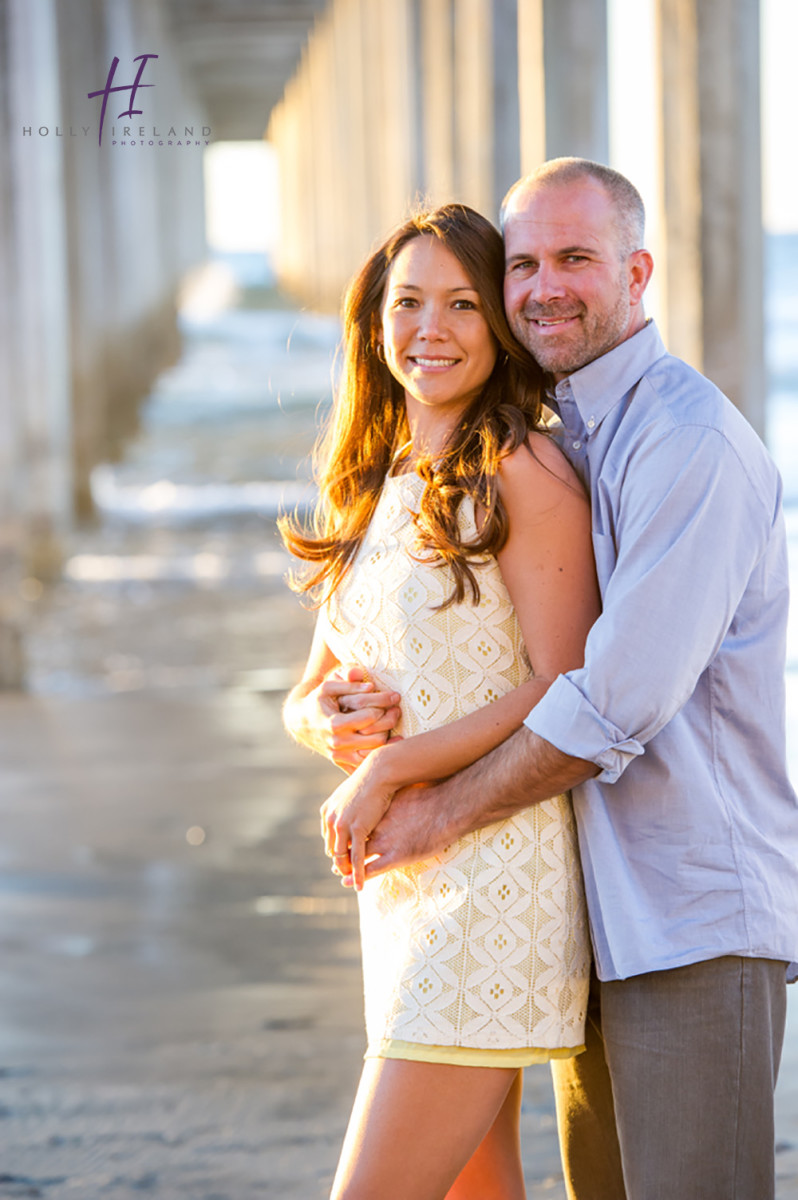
[479, 955]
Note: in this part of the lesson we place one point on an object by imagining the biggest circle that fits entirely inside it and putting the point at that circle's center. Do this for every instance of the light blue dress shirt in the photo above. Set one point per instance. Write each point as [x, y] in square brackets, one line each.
[689, 835]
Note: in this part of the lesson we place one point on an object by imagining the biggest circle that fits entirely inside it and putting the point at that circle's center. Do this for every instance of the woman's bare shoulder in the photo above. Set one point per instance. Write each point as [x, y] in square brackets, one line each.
[540, 464]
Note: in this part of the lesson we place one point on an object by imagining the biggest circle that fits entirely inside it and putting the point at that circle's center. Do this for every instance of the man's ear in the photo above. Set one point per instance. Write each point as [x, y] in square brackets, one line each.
[640, 266]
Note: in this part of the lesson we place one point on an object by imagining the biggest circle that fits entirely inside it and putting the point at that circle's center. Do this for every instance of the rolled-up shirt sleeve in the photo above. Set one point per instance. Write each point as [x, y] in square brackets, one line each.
[566, 718]
[686, 531]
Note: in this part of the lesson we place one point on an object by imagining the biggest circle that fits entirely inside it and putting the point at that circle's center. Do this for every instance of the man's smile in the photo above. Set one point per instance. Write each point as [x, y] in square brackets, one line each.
[545, 318]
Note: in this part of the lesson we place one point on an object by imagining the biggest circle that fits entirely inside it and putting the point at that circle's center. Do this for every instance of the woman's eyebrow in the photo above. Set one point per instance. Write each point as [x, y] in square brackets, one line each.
[414, 287]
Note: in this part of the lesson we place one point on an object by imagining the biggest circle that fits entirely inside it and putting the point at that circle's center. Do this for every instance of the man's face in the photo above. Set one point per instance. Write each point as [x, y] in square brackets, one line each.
[569, 297]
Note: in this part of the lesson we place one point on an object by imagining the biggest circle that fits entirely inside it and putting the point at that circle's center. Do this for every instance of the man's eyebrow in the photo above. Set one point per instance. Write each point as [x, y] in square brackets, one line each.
[578, 250]
[563, 252]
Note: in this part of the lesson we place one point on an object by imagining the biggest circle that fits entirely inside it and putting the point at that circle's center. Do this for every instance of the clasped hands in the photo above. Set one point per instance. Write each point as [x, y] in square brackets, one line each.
[357, 720]
[349, 718]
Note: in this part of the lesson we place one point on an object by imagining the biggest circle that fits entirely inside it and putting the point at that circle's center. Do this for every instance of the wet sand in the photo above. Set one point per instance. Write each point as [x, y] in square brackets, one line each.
[178, 1019]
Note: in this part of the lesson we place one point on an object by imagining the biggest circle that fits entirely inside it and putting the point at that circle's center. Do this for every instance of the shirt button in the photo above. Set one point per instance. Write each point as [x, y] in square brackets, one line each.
[591, 423]
[577, 445]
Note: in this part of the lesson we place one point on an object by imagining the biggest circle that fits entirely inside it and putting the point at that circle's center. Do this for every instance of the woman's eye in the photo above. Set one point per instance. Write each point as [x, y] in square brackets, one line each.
[406, 302]
[464, 304]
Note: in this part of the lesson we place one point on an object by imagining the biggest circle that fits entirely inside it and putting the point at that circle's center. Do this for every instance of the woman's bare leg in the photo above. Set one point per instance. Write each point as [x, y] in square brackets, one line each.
[495, 1171]
[416, 1126]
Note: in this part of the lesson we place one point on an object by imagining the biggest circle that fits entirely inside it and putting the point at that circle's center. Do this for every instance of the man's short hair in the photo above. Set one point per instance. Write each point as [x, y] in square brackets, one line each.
[626, 199]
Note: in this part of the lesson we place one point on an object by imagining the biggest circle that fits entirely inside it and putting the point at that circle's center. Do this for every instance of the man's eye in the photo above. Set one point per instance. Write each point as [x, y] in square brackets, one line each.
[525, 265]
[576, 258]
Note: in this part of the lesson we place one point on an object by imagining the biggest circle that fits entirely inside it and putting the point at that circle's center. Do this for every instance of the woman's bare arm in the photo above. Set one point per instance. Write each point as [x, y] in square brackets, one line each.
[547, 565]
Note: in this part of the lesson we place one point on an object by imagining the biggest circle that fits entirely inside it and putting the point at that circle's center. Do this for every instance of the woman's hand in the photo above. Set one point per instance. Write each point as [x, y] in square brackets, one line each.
[350, 814]
[343, 716]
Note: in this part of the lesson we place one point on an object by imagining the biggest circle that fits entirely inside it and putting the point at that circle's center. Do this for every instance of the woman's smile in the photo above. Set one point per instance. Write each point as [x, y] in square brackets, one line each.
[435, 336]
[431, 363]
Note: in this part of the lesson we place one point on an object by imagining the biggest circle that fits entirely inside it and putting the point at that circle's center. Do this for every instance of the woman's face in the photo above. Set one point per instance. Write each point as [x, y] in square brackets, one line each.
[437, 342]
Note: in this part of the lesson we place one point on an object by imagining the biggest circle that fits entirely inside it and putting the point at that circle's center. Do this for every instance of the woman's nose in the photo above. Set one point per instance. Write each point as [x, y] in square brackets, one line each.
[432, 325]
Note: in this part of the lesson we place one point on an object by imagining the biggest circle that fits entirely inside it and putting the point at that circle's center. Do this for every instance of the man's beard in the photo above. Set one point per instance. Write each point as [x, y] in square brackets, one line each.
[599, 333]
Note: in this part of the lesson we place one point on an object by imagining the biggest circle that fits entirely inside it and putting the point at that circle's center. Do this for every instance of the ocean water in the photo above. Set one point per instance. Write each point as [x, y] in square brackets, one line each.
[781, 342]
[781, 355]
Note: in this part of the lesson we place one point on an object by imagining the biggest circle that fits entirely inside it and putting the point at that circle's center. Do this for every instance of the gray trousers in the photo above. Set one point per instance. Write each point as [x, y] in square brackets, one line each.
[673, 1097]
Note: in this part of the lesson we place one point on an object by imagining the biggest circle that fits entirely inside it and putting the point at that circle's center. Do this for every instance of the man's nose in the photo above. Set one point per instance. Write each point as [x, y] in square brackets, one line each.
[547, 283]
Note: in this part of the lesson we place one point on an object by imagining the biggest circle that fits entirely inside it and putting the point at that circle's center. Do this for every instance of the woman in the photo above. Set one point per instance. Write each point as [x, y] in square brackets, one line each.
[452, 551]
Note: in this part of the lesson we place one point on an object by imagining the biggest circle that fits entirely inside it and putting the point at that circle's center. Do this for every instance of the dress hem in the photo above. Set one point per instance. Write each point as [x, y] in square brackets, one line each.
[470, 1056]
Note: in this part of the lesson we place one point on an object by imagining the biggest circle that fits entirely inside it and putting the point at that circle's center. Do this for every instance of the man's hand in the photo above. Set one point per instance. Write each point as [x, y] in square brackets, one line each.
[343, 717]
[413, 828]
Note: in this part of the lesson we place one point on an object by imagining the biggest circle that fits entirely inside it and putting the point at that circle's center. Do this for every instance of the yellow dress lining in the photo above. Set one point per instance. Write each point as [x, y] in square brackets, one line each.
[467, 1056]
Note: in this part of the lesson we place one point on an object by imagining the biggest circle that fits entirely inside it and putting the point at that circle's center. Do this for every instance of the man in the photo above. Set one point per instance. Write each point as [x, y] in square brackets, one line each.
[671, 735]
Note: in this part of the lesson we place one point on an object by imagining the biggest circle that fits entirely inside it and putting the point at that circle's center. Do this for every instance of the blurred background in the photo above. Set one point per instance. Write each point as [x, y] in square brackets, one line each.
[179, 978]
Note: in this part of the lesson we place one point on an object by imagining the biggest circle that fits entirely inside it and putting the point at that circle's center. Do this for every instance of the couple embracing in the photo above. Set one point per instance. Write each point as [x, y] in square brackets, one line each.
[512, 610]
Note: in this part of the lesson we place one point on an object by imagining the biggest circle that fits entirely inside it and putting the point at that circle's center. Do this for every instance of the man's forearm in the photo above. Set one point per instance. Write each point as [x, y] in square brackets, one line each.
[522, 771]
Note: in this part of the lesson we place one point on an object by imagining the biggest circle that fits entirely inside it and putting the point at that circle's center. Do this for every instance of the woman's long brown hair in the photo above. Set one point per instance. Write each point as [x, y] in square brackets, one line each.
[368, 424]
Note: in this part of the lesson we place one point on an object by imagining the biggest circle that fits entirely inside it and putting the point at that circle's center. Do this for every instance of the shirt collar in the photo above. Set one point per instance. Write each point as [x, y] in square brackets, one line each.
[599, 386]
